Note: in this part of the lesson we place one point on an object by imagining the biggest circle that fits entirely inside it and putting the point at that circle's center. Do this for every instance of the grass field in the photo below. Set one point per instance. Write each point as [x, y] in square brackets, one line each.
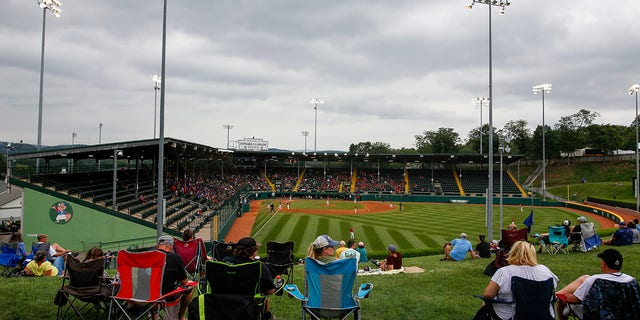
[444, 291]
[419, 229]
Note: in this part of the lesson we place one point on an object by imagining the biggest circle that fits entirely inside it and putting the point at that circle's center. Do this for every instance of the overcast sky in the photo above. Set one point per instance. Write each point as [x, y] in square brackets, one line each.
[387, 70]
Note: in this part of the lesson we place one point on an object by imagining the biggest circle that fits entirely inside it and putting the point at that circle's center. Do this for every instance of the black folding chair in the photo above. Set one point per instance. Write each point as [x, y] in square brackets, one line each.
[84, 292]
[534, 300]
[221, 249]
[234, 292]
[279, 259]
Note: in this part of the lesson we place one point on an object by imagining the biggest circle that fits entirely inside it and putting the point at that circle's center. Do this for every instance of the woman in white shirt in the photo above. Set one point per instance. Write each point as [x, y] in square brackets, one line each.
[522, 263]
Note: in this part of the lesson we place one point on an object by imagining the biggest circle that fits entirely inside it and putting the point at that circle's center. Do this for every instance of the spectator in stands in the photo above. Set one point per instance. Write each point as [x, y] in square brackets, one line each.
[363, 252]
[457, 249]
[576, 291]
[55, 252]
[522, 263]
[351, 251]
[343, 247]
[39, 266]
[323, 249]
[392, 261]
[174, 276]
[622, 237]
[483, 249]
[245, 251]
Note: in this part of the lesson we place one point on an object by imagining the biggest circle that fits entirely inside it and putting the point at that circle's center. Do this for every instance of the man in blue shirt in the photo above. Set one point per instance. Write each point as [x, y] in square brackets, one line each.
[622, 237]
[457, 249]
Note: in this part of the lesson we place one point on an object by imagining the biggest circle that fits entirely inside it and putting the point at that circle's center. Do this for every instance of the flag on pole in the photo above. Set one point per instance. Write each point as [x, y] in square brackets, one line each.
[529, 222]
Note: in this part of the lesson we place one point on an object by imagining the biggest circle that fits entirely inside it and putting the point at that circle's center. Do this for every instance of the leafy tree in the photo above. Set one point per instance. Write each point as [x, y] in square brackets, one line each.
[370, 147]
[519, 134]
[445, 140]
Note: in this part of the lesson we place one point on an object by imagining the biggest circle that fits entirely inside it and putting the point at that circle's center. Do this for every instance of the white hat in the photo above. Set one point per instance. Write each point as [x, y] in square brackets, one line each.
[324, 241]
[582, 219]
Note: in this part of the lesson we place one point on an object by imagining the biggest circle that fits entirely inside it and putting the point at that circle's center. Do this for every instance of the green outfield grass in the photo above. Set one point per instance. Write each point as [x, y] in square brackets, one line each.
[419, 229]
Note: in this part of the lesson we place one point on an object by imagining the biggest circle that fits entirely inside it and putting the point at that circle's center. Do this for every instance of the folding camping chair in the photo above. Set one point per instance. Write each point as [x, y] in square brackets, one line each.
[140, 275]
[279, 259]
[84, 290]
[222, 249]
[329, 289]
[558, 240]
[193, 254]
[607, 300]
[234, 292]
[589, 238]
[10, 261]
[533, 300]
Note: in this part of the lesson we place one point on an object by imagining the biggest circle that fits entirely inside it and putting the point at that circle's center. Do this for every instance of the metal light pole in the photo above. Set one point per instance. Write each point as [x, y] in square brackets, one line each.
[542, 88]
[6, 178]
[116, 153]
[160, 212]
[228, 127]
[503, 147]
[305, 134]
[73, 138]
[156, 78]
[634, 90]
[54, 7]
[502, 4]
[100, 125]
[480, 101]
[315, 102]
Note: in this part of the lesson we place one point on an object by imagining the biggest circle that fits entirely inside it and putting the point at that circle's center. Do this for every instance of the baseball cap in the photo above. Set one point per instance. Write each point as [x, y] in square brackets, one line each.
[166, 240]
[391, 248]
[247, 242]
[463, 235]
[324, 241]
[612, 258]
[582, 219]
[622, 223]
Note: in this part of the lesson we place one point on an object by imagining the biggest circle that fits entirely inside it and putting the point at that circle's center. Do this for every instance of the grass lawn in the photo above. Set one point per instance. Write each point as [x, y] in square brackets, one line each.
[443, 291]
[419, 229]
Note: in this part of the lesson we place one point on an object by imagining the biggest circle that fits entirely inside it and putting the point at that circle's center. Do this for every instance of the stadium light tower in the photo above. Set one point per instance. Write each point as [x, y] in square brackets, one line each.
[502, 4]
[161, 201]
[315, 102]
[480, 101]
[542, 88]
[305, 134]
[228, 127]
[54, 7]
[100, 125]
[73, 138]
[504, 148]
[157, 79]
[633, 90]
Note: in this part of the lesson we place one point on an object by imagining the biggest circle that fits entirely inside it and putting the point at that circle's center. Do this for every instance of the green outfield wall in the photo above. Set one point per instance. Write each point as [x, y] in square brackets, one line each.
[72, 224]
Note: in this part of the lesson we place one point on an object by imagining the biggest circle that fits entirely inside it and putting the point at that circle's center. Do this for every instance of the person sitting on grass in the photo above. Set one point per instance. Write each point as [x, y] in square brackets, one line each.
[392, 261]
[323, 249]
[622, 237]
[39, 266]
[483, 249]
[351, 251]
[457, 249]
[363, 252]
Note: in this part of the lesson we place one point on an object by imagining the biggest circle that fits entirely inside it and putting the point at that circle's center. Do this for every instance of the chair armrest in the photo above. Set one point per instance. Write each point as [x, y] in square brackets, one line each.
[562, 297]
[492, 300]
[364, 290]
[292, 290]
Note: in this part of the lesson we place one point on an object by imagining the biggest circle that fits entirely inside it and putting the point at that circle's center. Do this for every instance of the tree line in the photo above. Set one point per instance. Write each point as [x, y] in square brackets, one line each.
[575, 131]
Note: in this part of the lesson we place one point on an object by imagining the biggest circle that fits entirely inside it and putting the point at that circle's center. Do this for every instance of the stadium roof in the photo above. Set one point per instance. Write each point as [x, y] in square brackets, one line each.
[148, 149]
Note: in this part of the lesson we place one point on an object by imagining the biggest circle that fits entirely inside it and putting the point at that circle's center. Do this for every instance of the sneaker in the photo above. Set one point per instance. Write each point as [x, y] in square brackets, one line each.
[375, 262]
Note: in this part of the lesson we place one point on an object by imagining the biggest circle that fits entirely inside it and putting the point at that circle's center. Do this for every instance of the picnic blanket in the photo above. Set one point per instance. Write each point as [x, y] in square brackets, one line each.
[375, 272]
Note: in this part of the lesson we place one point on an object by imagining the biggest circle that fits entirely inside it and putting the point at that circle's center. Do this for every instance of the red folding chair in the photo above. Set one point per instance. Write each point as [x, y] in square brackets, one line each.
[194, 255]
[140, 275]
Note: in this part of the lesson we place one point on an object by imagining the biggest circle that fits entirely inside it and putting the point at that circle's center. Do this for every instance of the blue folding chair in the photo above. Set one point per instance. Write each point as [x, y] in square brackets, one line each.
[10, 260]
[329, 290]
[558, 240]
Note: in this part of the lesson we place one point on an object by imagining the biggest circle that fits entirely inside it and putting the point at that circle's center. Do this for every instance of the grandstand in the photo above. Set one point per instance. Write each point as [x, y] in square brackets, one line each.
[203, 184]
